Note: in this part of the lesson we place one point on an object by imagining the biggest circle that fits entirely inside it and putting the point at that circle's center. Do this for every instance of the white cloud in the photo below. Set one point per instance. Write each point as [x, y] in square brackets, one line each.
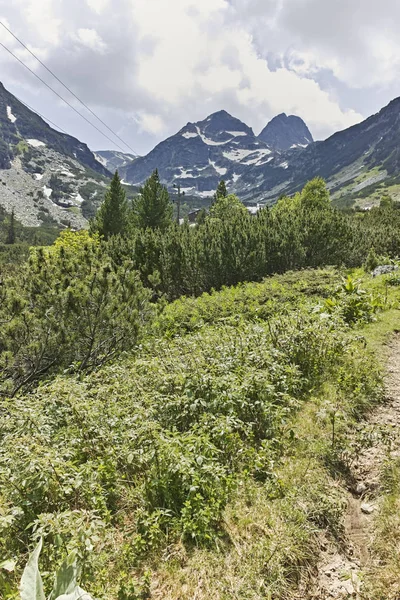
[153, 65]
[193, 68]
[98, 6]
[40, 19]
[91, 39]
[150, 123]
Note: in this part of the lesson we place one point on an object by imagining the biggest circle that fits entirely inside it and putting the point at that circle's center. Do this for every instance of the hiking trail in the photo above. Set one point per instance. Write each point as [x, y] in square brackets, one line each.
[339, 572]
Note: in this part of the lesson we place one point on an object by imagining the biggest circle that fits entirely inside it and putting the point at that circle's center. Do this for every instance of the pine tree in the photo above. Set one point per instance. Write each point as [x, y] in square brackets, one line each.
[11, 229]
[227, 206]
[221, 190]
[153, 207]
[112, 216]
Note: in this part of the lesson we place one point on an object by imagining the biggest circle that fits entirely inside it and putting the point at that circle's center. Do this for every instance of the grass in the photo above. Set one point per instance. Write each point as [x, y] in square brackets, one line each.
[269, 542]
[273, 532]
[203, 374]
[382, 580]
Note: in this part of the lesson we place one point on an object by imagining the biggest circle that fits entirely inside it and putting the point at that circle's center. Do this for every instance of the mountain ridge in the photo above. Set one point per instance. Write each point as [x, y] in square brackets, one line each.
[200, 154]
[285, 132]
[365, 156]
[46, 176]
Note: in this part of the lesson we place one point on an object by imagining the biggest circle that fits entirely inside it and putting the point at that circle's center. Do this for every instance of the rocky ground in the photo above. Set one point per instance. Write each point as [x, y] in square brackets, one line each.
[29, 194]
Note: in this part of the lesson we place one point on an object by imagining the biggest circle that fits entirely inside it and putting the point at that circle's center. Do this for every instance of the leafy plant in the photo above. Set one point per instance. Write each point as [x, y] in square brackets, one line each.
[65, 584]
[353, 303]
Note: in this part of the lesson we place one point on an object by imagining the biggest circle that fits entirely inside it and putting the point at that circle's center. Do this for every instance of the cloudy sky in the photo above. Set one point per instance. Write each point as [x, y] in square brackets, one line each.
[147, 67]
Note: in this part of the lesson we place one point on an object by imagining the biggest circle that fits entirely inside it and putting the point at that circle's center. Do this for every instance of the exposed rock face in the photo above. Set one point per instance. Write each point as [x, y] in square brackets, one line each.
[44, 170]
[222, 147]
[341, 159]
[113, 160]
[203, 153]
[284, 133]
[45, 176]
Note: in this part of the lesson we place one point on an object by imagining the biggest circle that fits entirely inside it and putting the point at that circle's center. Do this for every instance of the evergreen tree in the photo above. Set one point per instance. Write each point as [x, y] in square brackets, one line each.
[315, 195]
[112, 216]
[386, 201]
[221, 190]
[11, 229]
[226, 206]
[153, 208]
[201, 217]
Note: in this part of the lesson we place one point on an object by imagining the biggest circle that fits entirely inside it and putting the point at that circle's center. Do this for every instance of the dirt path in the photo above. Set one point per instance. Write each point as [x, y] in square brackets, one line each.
[340, 570]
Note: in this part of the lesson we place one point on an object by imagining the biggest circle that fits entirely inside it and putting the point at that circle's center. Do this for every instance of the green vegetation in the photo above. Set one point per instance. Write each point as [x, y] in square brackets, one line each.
[71, 307]
[112, 216]
[171, 446]
[152, 209]
[65, 584]
[15, 239]
[157, 448]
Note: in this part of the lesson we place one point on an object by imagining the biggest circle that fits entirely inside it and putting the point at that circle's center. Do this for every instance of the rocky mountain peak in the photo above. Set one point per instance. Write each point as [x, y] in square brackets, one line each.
[284, 132]
[222, 121]
[201, 154]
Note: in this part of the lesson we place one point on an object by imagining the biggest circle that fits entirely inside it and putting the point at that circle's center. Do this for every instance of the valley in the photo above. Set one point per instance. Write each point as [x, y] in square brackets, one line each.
[48, 177]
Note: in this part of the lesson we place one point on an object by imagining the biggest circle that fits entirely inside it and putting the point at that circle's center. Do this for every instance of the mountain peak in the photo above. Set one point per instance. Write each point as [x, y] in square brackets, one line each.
[284, 132]
[220, 113]
[221, 121]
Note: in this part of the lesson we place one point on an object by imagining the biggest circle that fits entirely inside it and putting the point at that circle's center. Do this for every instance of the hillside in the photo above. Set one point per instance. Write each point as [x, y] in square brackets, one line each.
[352, 160]
[220, 463]
[45, 176]
[113, 160]
[52, 178]
[199, 411]
[203, 153]
[359, 163]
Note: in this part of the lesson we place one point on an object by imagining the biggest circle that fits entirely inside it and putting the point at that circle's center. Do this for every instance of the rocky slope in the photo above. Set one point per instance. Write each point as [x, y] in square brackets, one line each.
[203, 153]
[113, 160]
[357, 162]
[50, 177]
[45, 176]
[284, 133]
[367, 154]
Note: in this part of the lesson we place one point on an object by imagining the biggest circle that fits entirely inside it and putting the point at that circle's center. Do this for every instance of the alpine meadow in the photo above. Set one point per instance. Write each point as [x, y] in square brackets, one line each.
[199, 300]
[183, 406]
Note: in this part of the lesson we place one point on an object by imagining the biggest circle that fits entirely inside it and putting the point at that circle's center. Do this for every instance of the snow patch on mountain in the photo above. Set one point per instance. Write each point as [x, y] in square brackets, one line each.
[47, 191]
[209, 141]
[189, 134]
[184, 174]
[100, 159]
[237, 154]
[10, 115]
[35, 143]
[257, 159]
[220, 170]
[236, 133]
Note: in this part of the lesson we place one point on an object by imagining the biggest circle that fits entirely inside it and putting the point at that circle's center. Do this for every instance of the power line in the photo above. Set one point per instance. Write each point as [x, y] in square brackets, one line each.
[59, 96]
[67, 88]
[38, 113]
